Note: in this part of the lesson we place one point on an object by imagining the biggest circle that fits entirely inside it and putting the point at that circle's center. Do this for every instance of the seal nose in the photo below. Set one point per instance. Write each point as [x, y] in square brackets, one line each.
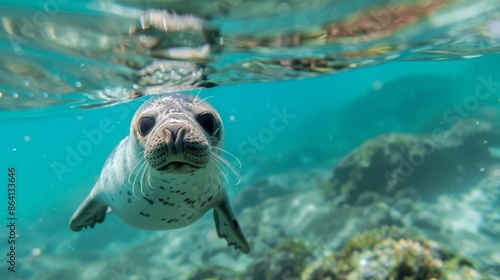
[178, 131]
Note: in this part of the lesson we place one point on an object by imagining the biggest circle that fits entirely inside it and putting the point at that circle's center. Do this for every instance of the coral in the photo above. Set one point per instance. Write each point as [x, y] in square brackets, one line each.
[390, 253]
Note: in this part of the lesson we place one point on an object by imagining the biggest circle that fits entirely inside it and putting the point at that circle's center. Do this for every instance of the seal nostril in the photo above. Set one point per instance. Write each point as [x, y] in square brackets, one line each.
[176, 131]
[179, 139]
[174, 137]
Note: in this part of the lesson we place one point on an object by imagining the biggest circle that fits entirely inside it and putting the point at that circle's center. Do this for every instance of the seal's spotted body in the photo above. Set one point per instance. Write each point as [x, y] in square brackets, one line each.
[166, 174]
[174, 197]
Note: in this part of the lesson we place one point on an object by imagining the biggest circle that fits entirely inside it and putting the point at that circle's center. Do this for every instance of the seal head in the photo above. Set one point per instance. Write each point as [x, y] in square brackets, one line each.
[186, 133]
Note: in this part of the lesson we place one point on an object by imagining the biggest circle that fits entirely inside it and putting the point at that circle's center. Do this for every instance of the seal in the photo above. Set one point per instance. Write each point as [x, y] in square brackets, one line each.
[167, 173]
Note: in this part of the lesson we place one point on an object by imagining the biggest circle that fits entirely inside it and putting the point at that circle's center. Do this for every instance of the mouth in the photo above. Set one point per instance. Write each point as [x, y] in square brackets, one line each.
[178, 167]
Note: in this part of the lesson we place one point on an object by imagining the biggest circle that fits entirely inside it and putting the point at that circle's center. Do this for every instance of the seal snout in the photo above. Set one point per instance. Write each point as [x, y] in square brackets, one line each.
[175, 134]
[177, 148]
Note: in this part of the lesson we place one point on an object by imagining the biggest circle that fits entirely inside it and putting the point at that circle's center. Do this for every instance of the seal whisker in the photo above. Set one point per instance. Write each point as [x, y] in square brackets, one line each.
[148, 168]
[135, 180]
[228, 164]
[152, 100]
[210, 174]
[155, 98]
[145, 178]
[139, 161]
[143, 173]
[223, 171]
[196, 97]
[224, 151]
[134, 154]
[204, 99]
[216, 177]
[222, 168]
[133, 186]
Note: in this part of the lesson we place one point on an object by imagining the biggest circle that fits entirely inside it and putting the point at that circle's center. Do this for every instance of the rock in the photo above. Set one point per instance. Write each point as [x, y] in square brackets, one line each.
[468, 224]
[309, 216]
[390, 253]
[285, 261]
[280, 218]
[213, 272]
[446, 161]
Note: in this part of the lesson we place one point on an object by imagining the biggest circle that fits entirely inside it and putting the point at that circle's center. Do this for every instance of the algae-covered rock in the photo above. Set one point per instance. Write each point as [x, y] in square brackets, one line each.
[363, 169]
[285, 261]
[213, 272]
[469, 224]
[390, 253]
[385, 253]
[429, 164]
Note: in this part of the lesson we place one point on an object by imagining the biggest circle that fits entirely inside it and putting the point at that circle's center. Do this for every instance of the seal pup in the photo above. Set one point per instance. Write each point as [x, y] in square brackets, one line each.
[167, 173]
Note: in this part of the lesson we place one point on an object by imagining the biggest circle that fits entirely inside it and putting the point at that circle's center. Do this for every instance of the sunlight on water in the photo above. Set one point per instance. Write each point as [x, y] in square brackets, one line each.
[93, 52]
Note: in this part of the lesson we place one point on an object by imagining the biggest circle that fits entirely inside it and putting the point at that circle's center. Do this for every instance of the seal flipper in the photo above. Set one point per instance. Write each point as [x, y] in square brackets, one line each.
[90, 212]
[227, 226]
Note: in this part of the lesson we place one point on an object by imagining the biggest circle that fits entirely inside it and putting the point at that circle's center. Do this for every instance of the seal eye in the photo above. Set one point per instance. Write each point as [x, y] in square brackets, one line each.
[207, 121]
[146, 124]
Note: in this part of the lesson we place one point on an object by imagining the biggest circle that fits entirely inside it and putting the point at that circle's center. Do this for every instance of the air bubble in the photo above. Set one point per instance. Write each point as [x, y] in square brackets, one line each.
[211, 236]
[494, 173]
[377, 85]
[36, 251]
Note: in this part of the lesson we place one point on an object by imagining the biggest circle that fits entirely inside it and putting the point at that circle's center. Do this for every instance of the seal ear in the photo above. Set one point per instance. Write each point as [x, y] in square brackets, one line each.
[90, 212]
[227, 226]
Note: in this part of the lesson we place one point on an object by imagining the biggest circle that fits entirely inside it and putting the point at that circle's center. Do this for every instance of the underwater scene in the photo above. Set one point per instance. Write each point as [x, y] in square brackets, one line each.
[249, 140]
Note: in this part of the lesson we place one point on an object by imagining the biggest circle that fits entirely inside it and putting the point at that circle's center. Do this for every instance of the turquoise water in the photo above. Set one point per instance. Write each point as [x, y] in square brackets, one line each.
[51, 184]
[385, 171]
